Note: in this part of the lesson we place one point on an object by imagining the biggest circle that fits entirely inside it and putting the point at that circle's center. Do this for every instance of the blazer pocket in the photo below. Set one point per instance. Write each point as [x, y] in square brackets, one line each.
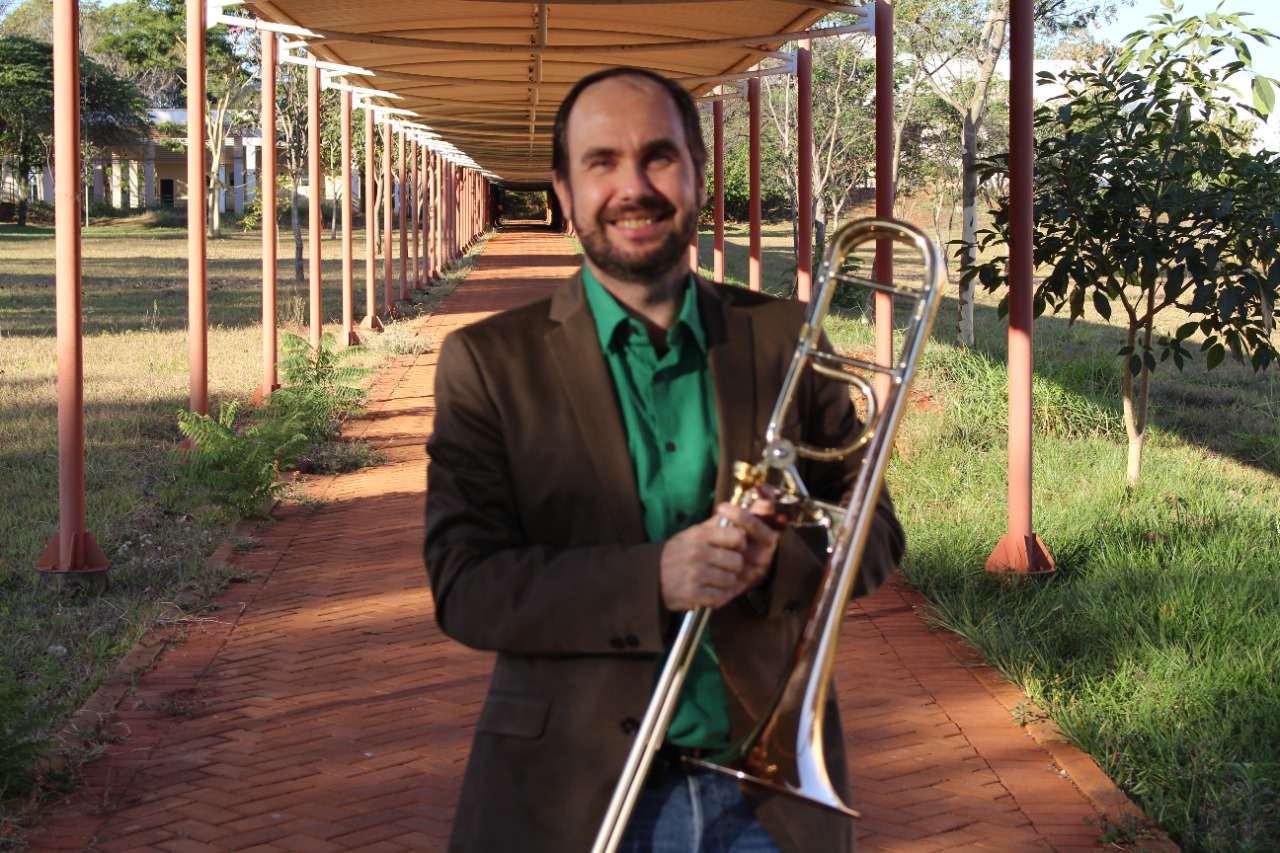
[514, 715]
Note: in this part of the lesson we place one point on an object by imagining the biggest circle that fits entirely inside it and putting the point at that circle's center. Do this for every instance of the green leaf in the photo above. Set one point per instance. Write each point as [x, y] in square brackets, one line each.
[1216, 355]
[1264, 96]
[1102, 305]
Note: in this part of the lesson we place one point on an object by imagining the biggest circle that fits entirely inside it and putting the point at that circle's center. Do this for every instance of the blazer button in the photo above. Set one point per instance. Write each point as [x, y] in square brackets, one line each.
[632, 641]
[617, 643]
[792, 606]
[630, 726]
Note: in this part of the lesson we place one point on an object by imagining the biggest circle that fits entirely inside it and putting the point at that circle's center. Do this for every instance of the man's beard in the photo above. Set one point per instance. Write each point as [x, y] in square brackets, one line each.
[655, 264]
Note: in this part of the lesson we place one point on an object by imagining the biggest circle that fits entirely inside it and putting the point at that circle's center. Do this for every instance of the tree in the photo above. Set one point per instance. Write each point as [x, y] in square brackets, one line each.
[291, 127]
[112, 111]
[957, 44]
[1148, 197]
[34, 19]
[843, 129]
[150, 37]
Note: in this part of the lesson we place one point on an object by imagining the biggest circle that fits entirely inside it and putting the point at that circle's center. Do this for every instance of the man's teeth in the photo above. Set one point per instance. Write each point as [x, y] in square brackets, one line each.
[634, 223]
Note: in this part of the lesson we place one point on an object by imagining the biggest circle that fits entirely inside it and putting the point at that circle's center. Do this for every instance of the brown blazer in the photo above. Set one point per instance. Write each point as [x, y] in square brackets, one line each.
[536, 549]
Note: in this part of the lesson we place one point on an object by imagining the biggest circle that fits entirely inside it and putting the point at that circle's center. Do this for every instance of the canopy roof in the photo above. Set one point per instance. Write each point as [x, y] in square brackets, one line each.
[486, 76]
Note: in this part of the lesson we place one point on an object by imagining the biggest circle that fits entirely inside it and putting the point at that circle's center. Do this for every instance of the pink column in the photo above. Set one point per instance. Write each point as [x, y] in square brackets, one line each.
[388, 298]
[425, 200]
[414, 181]
[433, 215]
[753, 102]
[197, 213]
[403, 198]
[884, 184]
[72, 549]
[455, 212]
[370, 320]
[717, 149]
[315, 198]
[804, 169]
[349, 336]
[1020, 549]
[442, 214]
[270, 238]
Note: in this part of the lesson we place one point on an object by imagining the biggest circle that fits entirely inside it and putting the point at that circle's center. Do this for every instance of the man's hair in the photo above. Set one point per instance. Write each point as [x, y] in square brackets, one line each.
[682, 99]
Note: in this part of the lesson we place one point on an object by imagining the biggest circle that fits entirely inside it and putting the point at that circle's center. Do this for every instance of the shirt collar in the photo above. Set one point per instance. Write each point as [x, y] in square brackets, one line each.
[609, 314]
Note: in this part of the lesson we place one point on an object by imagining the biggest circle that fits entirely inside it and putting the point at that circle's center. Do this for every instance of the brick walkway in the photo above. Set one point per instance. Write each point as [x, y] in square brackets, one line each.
[320, 709]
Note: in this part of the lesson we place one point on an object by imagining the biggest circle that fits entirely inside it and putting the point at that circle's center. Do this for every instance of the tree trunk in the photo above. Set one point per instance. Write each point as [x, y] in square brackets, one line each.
[969, 228]
[373, 219]
[23, 191]
[215, 213]
[297, 232]
[819, 225]
[339, 196]
[1136, 392]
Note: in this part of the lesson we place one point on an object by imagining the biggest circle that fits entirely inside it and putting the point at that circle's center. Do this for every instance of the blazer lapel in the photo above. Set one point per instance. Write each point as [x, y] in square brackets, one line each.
[731, 348]
[575, 350]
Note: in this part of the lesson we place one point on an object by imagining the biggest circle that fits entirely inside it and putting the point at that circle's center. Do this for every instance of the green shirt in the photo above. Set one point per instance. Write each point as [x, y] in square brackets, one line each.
[667, 404]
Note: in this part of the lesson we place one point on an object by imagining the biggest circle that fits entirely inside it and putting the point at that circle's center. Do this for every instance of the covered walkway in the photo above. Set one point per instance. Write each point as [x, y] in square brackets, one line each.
[319, 708]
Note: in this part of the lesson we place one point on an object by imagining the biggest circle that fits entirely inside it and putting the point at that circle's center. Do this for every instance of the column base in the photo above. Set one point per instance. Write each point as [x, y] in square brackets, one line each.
[1024, 555]
[260, 396]
[372, 323]
[88, 567]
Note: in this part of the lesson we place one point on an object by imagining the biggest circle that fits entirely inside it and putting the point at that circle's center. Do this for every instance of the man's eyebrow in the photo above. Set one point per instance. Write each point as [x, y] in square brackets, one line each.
[657, 145]
[598, 151]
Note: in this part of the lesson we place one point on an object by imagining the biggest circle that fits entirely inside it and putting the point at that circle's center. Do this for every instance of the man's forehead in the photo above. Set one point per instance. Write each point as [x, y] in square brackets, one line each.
[603, 93]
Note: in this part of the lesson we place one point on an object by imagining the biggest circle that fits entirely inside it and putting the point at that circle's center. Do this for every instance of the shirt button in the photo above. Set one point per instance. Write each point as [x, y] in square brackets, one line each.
[617, 643]
[632, 641]
[670, 446]
[682, 517]
[630, 726]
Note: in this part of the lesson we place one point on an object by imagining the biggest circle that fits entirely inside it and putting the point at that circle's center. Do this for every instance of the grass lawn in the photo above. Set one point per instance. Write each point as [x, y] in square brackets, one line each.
[1154, 646]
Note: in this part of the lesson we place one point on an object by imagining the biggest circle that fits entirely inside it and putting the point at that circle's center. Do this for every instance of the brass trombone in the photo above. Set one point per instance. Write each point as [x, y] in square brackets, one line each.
[783, 752]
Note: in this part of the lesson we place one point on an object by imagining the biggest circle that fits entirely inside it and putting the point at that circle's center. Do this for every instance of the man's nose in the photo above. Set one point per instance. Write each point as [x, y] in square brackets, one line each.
[634, 181]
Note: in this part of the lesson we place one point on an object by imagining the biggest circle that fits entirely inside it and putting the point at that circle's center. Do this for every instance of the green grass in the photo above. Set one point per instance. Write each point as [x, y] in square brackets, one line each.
[1156, 644]
[59, 644]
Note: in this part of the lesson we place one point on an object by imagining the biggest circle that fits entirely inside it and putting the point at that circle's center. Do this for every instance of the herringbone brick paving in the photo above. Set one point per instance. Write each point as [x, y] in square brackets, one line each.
[321, 709]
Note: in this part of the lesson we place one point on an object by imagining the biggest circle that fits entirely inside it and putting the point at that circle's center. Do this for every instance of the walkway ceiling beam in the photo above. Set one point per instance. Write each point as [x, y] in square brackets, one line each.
[570, 49]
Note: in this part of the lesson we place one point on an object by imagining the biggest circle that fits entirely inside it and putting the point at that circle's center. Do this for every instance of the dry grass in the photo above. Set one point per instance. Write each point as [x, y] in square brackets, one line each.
[59, 644]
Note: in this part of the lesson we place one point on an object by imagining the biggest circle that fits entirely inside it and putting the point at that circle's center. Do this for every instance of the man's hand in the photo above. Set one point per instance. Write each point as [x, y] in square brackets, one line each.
[708, 565]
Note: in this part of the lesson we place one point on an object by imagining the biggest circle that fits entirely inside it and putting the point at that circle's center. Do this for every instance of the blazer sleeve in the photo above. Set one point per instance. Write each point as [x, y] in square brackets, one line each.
[494, 588]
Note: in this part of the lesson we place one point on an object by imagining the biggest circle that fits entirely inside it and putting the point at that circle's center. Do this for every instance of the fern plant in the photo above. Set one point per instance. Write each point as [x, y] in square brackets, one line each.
[236, 472]
[235, 468]
[321, 388]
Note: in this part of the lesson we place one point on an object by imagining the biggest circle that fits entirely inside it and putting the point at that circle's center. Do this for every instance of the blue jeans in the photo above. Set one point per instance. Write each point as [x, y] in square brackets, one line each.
[694, 812]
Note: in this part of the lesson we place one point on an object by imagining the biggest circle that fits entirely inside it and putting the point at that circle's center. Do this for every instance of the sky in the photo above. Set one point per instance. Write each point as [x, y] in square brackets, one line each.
[1265, 14]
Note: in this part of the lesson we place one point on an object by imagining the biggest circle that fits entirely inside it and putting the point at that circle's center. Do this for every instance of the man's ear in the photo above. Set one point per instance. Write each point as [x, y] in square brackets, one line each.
[563, 194]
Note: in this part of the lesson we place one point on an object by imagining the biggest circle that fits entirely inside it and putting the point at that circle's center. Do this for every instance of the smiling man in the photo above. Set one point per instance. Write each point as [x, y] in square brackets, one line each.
[580, 466]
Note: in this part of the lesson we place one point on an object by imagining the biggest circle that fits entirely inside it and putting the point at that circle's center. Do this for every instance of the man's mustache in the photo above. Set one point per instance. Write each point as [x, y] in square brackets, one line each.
[654, 208]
